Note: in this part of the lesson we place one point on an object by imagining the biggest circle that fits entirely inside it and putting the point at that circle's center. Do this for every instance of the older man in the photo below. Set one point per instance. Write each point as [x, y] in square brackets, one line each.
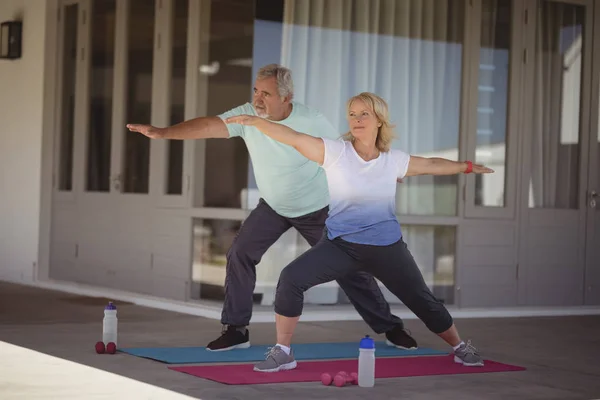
[293, 193]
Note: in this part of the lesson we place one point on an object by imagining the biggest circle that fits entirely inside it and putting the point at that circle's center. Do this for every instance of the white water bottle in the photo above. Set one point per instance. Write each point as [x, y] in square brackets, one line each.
[366, 362]
[109, 324]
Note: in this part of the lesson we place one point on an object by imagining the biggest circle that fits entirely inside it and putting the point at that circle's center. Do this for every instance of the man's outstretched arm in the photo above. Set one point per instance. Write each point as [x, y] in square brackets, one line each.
[197, 128]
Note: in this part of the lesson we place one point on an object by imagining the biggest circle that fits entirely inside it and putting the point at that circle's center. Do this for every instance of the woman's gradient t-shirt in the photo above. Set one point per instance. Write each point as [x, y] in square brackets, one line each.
[362, 194]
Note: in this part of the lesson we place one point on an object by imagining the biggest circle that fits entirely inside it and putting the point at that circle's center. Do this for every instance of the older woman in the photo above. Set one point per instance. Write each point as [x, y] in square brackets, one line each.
[362, 231]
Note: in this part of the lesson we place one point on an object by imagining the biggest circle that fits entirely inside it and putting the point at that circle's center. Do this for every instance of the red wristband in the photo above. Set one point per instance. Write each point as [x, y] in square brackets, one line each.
[469, 167]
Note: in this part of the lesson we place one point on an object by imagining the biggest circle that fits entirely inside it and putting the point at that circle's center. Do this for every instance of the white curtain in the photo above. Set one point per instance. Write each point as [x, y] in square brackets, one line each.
[407, 51]
[556, 109]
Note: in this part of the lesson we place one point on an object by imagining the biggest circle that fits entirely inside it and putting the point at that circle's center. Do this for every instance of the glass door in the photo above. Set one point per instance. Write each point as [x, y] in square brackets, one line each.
[592, 271]
[495, 78]
[68, 105]
[134, 71]
[556, 126]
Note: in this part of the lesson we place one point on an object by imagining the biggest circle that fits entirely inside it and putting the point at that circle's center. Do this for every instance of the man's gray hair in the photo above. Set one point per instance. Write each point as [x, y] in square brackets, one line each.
[285, 85]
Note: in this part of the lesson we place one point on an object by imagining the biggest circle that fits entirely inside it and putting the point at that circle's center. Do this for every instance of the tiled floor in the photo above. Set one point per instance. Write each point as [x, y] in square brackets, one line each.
[561, 353]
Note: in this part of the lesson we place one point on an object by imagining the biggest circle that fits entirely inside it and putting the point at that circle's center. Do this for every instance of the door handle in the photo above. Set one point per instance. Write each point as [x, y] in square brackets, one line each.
[117, 182]
[593, 196]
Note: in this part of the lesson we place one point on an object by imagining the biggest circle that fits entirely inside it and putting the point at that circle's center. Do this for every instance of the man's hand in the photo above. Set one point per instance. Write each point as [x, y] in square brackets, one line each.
[146, 130]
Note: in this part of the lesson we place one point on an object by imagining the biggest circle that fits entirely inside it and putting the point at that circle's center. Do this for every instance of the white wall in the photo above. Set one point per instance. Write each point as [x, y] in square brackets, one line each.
[21, 98]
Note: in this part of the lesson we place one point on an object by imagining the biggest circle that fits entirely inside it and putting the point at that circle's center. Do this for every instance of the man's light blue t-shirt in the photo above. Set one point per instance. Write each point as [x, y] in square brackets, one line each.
[290, 183]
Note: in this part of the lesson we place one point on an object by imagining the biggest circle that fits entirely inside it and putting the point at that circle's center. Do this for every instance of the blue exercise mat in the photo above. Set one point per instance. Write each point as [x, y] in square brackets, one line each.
[302, 351]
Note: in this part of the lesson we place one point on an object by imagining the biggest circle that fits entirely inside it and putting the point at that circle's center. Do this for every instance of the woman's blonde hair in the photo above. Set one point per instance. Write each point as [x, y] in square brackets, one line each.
[385, 133]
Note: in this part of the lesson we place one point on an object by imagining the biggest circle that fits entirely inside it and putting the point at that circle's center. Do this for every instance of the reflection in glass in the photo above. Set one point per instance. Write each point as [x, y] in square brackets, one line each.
[178, 73]
[101, 95]
[434, 250]
[67, 129]
[211, 241]
[409, 52]
[140, 47]
[554, 180]
[494, 63]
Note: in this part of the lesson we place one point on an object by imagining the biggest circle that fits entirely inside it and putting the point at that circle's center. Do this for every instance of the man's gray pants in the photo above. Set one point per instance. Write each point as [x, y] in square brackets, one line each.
[260, 231]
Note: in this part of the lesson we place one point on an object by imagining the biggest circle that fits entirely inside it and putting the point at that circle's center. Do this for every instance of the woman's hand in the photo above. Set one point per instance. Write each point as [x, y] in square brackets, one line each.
[481, 169]
[250, 120]
[309, 146]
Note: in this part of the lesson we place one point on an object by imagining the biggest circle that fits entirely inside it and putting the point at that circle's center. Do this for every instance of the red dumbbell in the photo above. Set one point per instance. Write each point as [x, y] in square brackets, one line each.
[326, 379]
[100, 347]
[343, 379]
[111, 348]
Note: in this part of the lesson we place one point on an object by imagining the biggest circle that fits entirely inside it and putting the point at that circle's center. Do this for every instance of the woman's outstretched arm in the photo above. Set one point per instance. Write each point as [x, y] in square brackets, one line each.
[310, 147]
[441, 166]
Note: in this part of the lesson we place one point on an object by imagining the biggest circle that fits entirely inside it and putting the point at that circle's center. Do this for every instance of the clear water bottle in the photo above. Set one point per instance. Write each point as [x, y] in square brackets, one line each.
[109, 324]
[366, 362]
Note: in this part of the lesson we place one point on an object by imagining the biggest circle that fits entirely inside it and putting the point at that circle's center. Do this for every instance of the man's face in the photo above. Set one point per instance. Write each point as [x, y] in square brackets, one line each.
[267, 102]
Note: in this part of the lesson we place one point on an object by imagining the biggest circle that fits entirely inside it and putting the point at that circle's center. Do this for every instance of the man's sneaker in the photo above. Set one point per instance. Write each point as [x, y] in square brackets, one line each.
[231, 338]
[468, 355]
[277, 360]
[398, 337]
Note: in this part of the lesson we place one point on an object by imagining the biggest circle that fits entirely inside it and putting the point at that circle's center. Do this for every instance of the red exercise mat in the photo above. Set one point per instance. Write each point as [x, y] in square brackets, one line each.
[310, 371]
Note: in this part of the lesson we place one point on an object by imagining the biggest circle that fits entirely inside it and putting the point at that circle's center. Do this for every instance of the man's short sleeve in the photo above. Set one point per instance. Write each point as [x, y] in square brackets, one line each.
[333, 151]
[402, 160]
[321, 127]
[237, 129]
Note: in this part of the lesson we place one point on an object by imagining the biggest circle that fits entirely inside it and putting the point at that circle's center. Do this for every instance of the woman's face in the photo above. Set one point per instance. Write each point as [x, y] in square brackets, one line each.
[362, 121]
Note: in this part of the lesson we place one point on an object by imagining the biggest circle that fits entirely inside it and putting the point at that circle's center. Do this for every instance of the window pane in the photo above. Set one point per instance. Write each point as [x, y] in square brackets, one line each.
[492, 112]
[554, 180]
[179, 59]
[67, 129]
[434, 250]
[408, 52]
[228, 75]
[211, 240]
[433, 247]
[140, 46]
[101, 92]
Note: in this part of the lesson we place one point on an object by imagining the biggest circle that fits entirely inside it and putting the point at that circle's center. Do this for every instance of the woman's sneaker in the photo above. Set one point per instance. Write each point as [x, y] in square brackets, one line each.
[467, 355]
[277, 360]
